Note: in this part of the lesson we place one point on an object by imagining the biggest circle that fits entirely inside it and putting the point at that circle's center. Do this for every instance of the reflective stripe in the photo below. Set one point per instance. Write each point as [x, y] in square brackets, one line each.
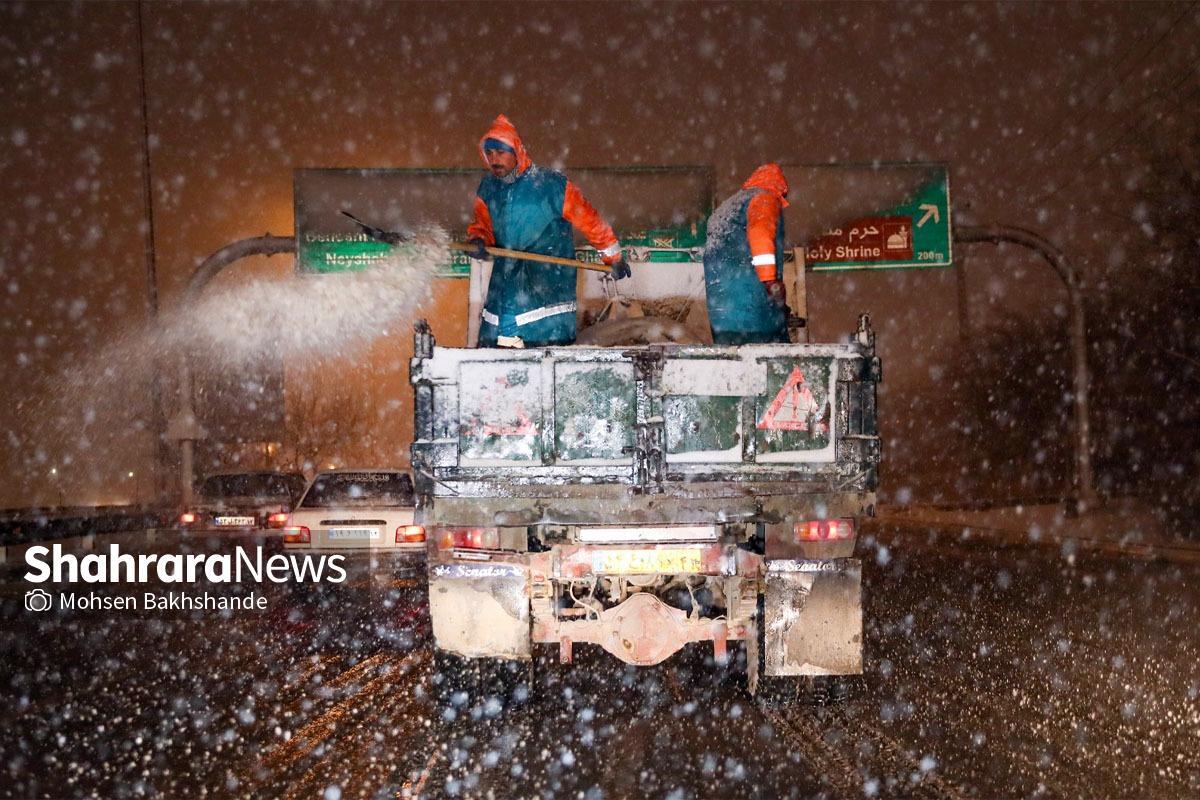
[612, 250]
[545, 311]
[510, 341]
[491, 318]
[763, 260]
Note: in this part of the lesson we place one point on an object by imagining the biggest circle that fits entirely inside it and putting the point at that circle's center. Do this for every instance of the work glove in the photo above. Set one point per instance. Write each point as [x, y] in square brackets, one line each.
[776, 292]
[620, 269]
[479, 251]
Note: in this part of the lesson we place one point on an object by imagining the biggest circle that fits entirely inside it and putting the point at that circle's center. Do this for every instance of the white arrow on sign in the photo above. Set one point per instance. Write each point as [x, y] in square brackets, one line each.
[930, 211]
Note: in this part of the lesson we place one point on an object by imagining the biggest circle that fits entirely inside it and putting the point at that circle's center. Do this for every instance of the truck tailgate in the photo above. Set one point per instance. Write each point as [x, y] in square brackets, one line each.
[644, 417]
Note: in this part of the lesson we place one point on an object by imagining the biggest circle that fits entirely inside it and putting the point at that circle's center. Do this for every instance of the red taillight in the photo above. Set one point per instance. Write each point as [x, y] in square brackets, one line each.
[410, 533]
[187, 518]
[277, 520]
[471, 538]
[297, 535]
[823, 530]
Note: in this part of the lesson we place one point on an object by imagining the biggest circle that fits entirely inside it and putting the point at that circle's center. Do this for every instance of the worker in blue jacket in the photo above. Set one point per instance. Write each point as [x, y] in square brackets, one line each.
[521, 206]
[743, 262]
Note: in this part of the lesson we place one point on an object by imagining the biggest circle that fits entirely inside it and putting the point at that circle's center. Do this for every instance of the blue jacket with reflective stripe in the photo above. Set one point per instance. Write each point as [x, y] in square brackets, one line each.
[739, 310]
[527, 214]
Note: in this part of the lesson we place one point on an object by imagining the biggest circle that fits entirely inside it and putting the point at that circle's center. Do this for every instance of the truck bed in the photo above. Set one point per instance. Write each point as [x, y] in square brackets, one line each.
[581, 427]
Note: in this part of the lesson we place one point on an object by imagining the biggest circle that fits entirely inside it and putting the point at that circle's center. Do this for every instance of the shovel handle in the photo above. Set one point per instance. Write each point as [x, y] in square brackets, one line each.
[504, 252]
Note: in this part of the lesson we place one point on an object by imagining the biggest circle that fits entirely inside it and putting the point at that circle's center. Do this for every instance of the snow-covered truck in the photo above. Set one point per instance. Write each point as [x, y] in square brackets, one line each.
[649, 498]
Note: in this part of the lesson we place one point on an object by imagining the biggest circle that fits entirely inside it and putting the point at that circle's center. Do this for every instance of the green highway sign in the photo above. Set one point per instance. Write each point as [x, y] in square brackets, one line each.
[680, 245]
[666, 224]
[389, 199]
[886, 216]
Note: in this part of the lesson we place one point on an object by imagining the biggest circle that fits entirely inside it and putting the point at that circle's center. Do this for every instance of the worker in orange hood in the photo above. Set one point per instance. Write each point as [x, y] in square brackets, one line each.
[522, 206]
[743, 262]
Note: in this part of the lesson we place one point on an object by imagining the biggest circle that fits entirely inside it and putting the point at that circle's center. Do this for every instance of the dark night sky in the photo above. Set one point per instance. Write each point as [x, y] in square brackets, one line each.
[1018, 98]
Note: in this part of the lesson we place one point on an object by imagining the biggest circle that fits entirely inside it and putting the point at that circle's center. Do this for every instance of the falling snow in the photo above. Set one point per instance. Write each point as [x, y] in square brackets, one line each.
[1015, 642]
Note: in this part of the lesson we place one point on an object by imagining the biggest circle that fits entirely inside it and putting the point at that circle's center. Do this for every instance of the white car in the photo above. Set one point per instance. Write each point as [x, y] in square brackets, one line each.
[356, 510]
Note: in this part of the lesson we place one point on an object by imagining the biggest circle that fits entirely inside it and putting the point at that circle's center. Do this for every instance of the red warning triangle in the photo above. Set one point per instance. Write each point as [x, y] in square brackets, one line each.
[792, 407]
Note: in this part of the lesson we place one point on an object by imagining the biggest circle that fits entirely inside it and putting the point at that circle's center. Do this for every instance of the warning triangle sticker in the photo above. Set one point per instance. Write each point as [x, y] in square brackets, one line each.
[792, 408]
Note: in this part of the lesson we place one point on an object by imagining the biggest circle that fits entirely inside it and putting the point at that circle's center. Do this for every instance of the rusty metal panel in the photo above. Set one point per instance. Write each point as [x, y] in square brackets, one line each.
[594, 411]
[813, 617]
[703, 427]
[500, 413]
[480, 609]
[702, 405]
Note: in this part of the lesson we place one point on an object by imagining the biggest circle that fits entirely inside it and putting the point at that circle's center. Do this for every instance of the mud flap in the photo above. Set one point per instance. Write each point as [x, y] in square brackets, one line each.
[480, 610]
[813, 618]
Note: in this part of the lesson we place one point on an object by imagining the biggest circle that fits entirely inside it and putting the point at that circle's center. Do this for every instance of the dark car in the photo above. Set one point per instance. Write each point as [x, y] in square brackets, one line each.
[243, 501]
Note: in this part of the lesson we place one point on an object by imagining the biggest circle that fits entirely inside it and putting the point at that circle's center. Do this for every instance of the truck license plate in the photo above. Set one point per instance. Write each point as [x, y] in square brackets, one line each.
[354, 533]
[240, 522]
[666, 561]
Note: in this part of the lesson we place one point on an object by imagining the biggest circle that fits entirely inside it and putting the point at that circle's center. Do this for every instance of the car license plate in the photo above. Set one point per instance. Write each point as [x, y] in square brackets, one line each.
[235, 522]
[354, 533]
[667, 561]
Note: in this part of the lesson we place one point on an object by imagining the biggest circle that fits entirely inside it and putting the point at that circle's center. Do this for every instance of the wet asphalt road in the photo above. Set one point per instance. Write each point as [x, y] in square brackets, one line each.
[990, 673]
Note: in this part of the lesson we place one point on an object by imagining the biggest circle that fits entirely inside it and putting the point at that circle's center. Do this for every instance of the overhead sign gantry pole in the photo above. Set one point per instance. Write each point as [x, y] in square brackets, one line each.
[1085, 488]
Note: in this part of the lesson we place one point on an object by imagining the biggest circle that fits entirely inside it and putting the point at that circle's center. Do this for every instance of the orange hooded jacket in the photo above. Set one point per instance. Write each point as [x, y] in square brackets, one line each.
[762, 217]
[576, 209]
